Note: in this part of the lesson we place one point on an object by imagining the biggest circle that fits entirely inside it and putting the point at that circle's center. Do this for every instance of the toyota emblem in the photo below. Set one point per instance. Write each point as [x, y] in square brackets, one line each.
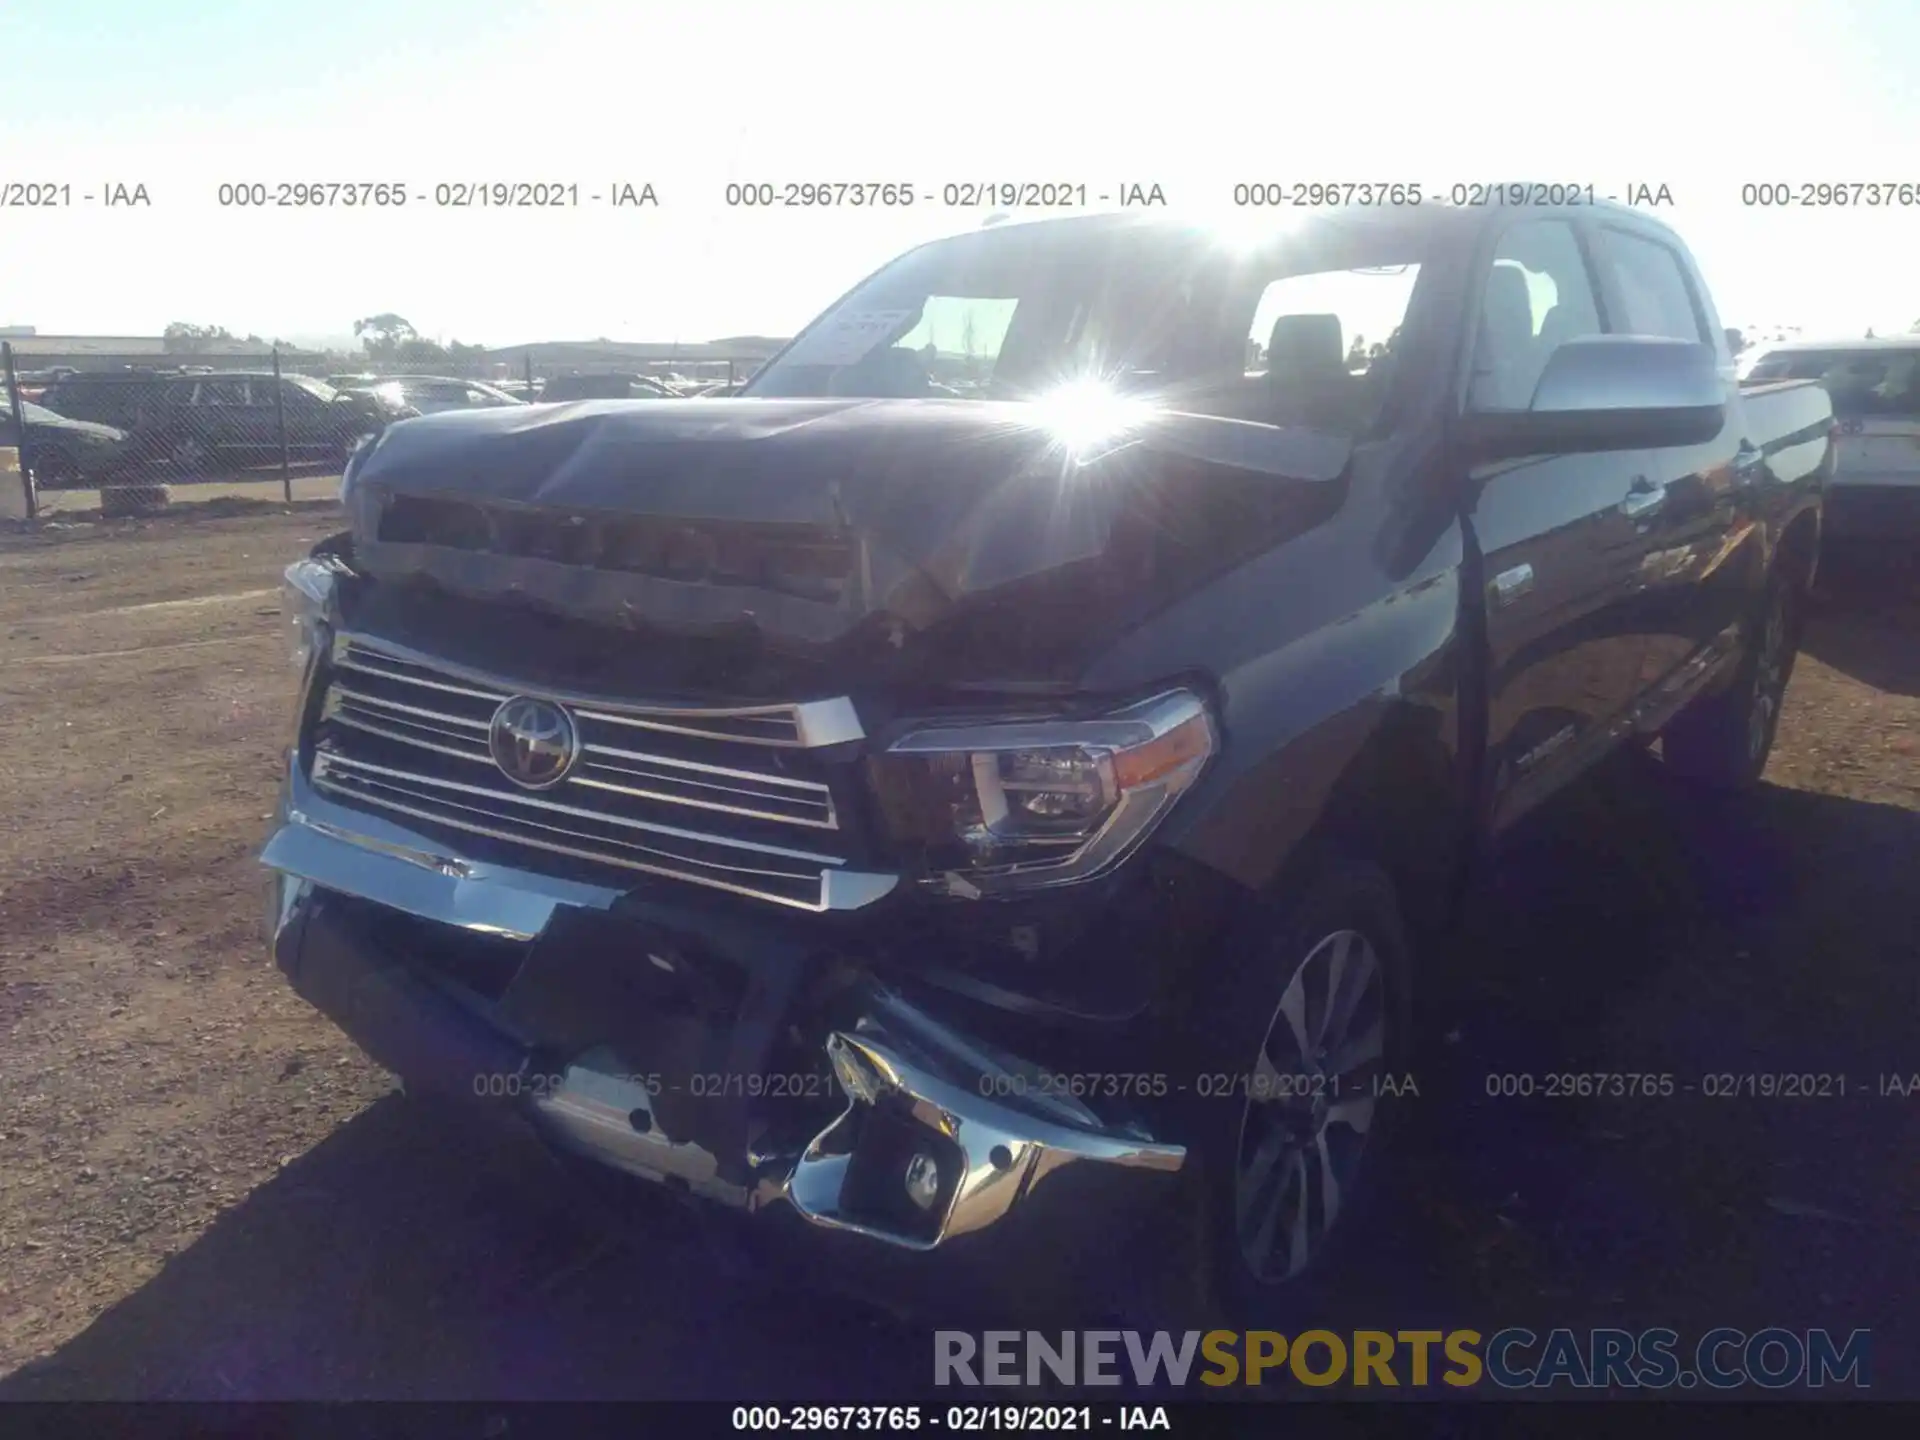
[534, 742]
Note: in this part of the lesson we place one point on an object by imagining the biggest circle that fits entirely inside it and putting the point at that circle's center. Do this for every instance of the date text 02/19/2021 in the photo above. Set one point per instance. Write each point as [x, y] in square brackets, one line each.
[959, 1419]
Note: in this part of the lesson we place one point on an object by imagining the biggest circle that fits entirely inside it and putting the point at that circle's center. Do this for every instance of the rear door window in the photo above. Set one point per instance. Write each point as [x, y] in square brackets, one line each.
[1651, 286]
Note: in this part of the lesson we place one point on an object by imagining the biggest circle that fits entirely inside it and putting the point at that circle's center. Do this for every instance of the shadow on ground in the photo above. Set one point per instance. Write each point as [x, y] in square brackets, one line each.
[1642, 929]
[1865, 624]
[419, 1253]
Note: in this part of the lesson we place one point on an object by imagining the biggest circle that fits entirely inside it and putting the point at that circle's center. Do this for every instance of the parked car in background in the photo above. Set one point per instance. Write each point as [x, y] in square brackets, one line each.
[63, 452]
[430, 394]
[112, 397]
[1041, 805]
[1875, 386]
[604, 387]
[198, 423]
[33, 382]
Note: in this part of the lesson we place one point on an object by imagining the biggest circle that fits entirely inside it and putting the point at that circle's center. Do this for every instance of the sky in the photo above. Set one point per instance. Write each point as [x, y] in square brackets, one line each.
[184, 96]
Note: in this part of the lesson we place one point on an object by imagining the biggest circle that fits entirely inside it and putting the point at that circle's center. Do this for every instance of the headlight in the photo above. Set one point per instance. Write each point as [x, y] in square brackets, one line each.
[306, 590]
[1017, 805]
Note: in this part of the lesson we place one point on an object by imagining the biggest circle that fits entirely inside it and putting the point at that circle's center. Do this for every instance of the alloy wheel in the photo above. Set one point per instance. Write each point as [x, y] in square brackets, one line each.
[1309, 1105]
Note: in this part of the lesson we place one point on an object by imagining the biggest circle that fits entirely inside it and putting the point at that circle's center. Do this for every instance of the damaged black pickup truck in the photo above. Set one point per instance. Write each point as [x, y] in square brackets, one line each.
[988, 790]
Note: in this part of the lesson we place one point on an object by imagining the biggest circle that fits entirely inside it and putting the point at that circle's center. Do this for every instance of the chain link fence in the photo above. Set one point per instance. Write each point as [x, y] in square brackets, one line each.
[136, 440]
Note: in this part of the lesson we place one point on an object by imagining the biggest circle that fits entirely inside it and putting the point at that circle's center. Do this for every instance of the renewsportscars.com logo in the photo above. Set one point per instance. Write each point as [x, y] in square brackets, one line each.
[1511, 1359]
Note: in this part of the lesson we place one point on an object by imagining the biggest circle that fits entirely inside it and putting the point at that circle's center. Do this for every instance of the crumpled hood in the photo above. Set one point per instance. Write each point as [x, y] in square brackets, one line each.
[801, 518]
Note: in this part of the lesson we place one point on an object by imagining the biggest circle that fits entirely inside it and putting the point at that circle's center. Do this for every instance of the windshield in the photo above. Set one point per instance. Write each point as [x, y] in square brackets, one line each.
[312, 386]
[1295, 332]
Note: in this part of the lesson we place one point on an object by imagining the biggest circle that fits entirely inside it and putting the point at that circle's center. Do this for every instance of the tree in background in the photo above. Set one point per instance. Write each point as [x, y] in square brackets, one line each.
[384, 334]
[391, 339]
[180, 338]
[416, 350]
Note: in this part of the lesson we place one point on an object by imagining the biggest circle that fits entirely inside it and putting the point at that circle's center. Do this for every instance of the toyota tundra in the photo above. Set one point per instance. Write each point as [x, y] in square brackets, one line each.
[988, 792]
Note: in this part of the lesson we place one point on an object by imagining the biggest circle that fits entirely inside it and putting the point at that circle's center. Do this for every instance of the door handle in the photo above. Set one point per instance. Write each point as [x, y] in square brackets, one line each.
[1748, 461]
[1509, 585]
[1643, 498]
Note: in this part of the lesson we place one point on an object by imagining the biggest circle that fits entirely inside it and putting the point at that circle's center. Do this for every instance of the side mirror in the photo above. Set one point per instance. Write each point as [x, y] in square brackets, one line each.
[1610, 392]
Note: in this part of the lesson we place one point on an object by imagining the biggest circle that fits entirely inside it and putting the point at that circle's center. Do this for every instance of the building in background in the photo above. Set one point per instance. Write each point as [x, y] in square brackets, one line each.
[33, 351]
[732, 358]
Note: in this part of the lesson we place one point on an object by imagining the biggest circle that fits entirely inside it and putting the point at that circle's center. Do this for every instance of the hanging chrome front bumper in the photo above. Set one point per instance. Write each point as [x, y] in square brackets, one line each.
[937, 1135]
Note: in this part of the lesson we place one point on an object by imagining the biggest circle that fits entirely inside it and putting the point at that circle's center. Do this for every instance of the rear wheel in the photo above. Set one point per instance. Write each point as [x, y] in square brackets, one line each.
[1725, 739]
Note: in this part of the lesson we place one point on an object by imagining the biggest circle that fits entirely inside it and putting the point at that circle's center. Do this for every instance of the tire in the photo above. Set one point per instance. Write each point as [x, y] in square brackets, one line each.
[1725, 739]
[1300, 1115]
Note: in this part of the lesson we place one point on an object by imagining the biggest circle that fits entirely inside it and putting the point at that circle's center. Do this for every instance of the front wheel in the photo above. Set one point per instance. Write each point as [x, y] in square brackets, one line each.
[1311, 1025]
[1725, 739]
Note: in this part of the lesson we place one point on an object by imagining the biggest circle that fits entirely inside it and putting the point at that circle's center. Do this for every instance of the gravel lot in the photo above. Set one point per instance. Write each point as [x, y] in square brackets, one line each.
[205, 1192]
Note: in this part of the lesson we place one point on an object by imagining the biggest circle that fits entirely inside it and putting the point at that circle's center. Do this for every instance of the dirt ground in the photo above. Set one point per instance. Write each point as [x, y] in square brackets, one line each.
[206, 1193]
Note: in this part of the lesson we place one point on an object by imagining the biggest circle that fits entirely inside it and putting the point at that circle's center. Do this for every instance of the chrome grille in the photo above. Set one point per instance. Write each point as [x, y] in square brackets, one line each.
[709, 796]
